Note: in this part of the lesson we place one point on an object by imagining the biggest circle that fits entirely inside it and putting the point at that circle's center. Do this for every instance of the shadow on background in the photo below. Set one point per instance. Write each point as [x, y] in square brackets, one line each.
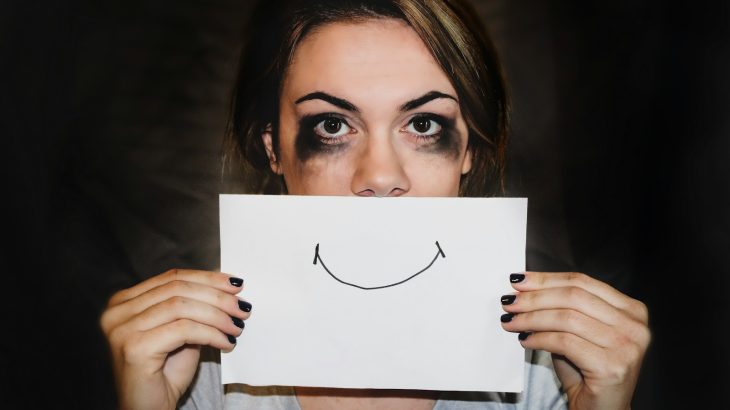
[114, 113]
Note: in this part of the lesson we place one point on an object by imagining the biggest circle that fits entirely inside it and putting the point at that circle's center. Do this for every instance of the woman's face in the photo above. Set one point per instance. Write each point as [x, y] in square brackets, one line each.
[366, 110]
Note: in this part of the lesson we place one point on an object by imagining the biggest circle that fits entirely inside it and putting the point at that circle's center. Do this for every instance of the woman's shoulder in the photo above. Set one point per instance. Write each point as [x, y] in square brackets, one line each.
[208, 392]
[542, 390]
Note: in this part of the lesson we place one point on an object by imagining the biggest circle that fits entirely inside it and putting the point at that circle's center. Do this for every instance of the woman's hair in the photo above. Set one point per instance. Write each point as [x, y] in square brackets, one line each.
[450, 29]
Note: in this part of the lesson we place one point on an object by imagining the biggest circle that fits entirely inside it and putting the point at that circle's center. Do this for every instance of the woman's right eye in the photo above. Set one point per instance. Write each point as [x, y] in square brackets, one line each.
[332, 128]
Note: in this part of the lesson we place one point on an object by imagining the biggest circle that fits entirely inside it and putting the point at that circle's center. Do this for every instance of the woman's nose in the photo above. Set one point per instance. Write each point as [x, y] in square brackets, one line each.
[380, 171]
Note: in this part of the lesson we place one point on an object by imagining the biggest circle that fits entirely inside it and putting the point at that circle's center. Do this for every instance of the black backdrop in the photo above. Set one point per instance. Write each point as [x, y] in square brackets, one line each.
[113, 114]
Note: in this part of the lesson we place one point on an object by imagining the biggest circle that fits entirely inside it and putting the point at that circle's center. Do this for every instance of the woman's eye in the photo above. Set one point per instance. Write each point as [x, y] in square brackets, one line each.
[423, 127]
[332, 128]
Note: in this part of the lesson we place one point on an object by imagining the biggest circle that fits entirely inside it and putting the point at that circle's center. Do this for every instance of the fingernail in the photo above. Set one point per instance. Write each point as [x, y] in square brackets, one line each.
[238, 322]
[245, 306]
[507, 317]
[237, 282]
[231, 339]
[523, 335]
[516, 277]
[508, 299]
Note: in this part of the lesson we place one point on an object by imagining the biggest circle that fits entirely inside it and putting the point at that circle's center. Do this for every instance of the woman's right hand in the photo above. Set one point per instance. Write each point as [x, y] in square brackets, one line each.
[156, 328]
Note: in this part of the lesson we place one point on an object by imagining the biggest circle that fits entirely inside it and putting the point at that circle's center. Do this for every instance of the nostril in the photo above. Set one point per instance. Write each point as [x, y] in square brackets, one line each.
[397, 192]
[370, 193]
[366, 192]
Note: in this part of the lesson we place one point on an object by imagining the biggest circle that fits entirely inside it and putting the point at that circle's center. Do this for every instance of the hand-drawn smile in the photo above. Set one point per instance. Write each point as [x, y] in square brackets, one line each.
[318, 257]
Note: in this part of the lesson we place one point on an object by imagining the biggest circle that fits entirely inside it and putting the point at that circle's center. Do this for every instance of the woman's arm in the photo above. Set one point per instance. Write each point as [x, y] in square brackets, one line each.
[598, 336]
[155, 330]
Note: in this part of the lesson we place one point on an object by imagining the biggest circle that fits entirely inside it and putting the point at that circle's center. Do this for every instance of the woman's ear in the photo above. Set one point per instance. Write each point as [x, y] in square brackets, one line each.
[269, 146]
[466, 164]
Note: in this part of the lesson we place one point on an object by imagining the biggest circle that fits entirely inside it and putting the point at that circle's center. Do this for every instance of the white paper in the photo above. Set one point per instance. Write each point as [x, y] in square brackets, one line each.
[439, 330]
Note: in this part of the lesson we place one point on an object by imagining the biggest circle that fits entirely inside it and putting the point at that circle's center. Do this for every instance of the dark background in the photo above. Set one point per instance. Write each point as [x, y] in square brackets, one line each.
[113, 114]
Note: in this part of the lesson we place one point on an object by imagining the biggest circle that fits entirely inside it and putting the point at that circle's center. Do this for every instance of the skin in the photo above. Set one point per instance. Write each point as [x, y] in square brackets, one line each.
[597, 335]
[378, 66]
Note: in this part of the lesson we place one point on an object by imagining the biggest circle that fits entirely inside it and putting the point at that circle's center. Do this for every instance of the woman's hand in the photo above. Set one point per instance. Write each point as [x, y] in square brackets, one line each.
[598, 336]
[155, 330]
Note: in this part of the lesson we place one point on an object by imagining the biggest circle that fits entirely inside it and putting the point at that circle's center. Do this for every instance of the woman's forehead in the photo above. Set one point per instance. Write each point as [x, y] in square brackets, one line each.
[379, 61]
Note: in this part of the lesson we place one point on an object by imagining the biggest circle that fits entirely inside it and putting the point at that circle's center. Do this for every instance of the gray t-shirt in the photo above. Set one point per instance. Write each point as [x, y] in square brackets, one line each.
[542, 391]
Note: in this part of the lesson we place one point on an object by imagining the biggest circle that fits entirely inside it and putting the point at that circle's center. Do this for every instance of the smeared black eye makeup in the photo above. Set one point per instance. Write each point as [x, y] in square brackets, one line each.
[321, 134]
[328, 133]
[434, 133]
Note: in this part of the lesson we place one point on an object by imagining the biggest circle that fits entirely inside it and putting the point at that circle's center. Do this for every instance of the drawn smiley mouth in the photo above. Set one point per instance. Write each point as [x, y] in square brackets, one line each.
[318, 257]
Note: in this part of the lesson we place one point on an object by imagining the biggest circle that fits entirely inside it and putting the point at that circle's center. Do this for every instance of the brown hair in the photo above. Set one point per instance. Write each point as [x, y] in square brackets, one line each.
[449, 28]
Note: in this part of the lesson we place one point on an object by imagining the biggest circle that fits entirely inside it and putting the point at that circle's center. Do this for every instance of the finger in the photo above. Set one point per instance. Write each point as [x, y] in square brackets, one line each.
[587, 356]
[149, 349]
[562, 320]
[572, 298]
[224, 301]
[545, 280]
[179, 307]
[220, 281]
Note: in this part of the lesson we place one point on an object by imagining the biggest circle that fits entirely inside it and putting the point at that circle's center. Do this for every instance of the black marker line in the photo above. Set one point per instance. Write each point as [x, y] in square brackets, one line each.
[317, 257]
[443, 255]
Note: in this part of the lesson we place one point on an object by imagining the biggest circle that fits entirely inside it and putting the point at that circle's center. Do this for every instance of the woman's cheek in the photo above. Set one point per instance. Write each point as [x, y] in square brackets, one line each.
[328, 174]
[433, 175]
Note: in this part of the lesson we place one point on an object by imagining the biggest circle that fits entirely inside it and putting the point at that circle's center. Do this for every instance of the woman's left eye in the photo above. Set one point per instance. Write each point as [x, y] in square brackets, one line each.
[332, 128]
[423, 127]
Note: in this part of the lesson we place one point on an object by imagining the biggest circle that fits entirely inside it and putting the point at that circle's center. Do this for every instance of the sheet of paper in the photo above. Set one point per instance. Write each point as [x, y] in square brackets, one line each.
[398, 293]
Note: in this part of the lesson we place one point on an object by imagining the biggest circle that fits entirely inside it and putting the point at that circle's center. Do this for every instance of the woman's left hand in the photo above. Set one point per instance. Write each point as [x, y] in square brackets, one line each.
[598, 335]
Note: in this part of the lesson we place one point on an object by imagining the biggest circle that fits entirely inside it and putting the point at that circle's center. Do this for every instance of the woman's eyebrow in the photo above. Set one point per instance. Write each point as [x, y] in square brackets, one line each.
[339, 102]
[429, 96]
[346, 105]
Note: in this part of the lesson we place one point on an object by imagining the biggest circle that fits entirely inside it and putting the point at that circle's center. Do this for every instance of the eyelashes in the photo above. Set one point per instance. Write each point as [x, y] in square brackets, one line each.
[331, 129]
[321, 134]
[434, 134]
[428, 127]
[329, 132]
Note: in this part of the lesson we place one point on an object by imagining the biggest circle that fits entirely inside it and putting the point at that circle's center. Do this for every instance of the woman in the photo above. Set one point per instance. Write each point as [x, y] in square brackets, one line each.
[371, 98]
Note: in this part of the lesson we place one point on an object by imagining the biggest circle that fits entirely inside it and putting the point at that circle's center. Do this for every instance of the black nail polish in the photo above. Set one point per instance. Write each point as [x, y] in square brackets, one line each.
[231, 339]
[245, 306]
[508, 299]
[523, 335]
[516, 277]
[507, 317]
[237, 282]
[238, 322]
